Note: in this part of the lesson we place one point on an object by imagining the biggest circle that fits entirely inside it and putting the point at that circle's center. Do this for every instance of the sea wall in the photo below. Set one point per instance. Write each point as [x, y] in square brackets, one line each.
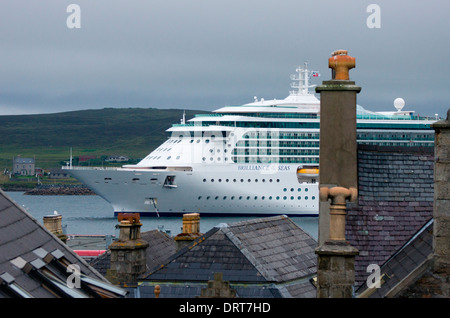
[60, 189]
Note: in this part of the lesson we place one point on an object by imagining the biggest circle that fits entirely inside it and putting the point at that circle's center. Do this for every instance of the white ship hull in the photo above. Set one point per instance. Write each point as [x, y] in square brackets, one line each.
[232, 189]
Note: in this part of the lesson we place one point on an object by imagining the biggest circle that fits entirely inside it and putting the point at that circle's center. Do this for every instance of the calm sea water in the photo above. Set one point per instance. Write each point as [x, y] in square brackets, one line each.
[91, 214]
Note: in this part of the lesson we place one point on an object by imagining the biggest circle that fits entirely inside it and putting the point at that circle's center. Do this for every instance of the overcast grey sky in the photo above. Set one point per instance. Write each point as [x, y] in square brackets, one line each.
[205, 54]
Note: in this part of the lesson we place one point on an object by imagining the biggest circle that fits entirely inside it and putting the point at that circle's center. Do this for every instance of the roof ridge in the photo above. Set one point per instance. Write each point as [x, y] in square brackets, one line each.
[257, 220]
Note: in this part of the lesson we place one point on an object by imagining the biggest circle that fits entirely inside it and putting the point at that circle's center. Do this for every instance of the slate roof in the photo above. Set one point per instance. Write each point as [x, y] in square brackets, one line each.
[26, 244]
[161, 247]
[264, 257]
[19, 160]
[396, 194]
[405, 261]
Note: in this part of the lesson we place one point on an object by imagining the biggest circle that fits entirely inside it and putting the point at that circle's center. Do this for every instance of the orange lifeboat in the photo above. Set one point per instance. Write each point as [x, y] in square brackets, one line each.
[308, 172]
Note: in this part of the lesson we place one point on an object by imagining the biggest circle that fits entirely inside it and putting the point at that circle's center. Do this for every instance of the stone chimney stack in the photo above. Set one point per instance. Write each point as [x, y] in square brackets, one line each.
[338, 178]
[128, 253]
[190, 232]
[53, 223]
[441, 211]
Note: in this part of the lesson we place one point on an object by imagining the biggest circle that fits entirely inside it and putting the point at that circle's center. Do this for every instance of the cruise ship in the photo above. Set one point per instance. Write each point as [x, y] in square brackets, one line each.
[260, 158]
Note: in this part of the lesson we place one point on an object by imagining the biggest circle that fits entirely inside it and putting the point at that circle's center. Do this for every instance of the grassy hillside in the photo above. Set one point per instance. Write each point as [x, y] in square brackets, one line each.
[48, 137]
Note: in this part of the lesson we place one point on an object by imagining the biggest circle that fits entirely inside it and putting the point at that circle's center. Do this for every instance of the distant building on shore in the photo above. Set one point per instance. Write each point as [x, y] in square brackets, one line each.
[23, 166]
[58, 173]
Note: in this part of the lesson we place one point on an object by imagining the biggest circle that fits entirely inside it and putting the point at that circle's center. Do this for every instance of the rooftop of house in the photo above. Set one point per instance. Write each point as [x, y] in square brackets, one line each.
[396, 194]
[19, 160]
[161, 247]
[263, 257]
[36, 263]
[404, 266]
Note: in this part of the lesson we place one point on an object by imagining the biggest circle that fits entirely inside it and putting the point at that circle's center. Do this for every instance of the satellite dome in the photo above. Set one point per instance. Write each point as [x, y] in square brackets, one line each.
[399, 103]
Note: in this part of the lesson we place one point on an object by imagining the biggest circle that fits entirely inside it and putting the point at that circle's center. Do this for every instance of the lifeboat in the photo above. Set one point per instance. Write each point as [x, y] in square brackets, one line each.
[308, 172]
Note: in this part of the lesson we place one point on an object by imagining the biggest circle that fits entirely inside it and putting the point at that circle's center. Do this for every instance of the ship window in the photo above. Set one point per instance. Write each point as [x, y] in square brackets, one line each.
[292, 198]
[169, 157]
[284, 189]
[234, 180]
[220, 180]
[199, 197]
[178, 157]
[204, 159]
[285, 197]
[263, 180]
[207, 198]
[299, 197]
[270, 198]
[135, 179]
[299, 189]
[192, 140]
[248, 198]
[240, 198]
[278, 198]
[207, 141]
[278, 180]
[256, 180]
[256, 198]
[263, 197]
[249, 180]
[292, 189]
[306, 190]
[232, 198]
[204, 180]
[224, 197]
[216, 198]
[270, 180]
[198, 140]
[107, 178]
[226, 180]
[313, 197]
[306, 198]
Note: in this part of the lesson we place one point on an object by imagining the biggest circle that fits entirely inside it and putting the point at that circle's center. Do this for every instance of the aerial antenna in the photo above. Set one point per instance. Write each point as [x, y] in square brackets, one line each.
[183, 120]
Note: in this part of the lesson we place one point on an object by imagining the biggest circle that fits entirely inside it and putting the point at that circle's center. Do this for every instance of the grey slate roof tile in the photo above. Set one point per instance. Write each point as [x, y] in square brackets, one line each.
[396, 193]
[260, 251]
[20, 235]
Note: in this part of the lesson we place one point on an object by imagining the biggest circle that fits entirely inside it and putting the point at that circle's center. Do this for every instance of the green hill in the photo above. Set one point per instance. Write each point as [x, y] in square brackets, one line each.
[133, 132]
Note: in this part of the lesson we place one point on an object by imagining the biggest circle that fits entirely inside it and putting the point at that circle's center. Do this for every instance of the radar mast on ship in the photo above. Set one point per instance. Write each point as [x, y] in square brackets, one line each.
[301, 80]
